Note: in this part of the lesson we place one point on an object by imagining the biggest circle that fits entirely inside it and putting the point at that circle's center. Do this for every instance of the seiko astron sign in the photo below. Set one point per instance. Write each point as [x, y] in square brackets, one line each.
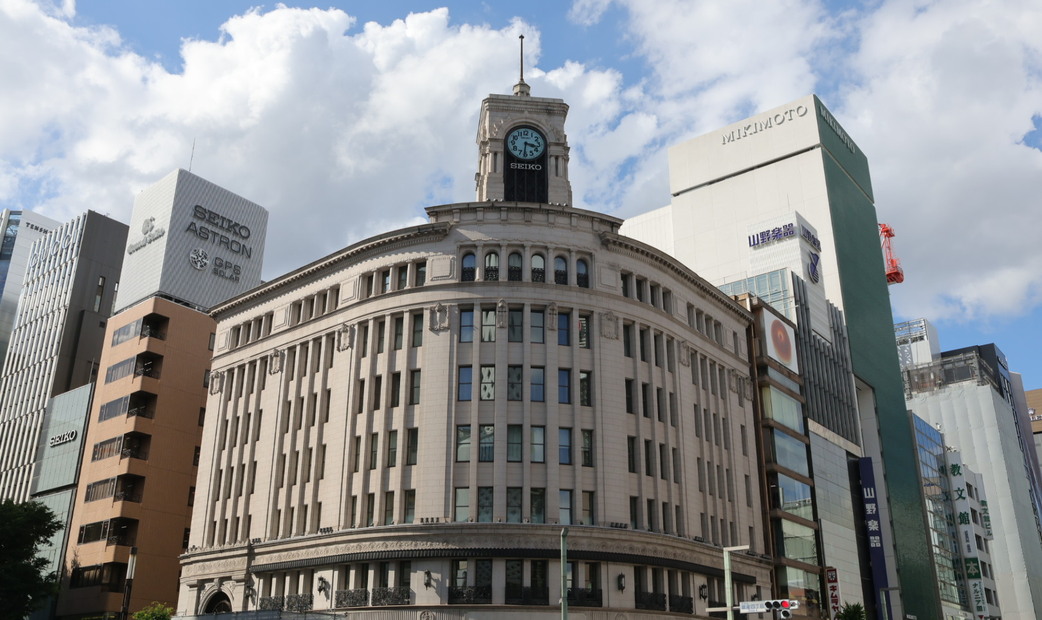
[193, 241]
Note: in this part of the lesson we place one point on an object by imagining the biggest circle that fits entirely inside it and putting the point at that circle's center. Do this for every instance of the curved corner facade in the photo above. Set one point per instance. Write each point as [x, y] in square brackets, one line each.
[414, 421]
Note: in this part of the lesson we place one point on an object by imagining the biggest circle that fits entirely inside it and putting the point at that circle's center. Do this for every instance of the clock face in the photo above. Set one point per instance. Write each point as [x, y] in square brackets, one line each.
[526, 143]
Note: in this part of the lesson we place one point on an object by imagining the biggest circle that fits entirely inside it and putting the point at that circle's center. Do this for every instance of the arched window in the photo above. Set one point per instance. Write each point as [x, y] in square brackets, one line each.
[469, 265]
[538, 268]
[514, 267]
[582, 273]
[560, 270]
[492, 266]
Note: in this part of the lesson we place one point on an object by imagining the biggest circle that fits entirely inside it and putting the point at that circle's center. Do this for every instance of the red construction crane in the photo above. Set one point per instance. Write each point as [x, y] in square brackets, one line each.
[894, 273]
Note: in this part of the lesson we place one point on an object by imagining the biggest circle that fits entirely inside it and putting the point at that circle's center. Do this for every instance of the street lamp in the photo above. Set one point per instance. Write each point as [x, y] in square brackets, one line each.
[128, 583]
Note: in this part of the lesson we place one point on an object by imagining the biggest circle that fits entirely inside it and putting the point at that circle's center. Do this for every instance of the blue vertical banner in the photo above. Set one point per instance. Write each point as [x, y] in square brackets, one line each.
[873, 527]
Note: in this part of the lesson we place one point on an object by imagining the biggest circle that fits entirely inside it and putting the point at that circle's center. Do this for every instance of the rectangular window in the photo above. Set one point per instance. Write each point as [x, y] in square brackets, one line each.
[403, 277]
[361, 396]
[651, 515]
[514, 441]
[515, 325]
[488, 383]
[587, 448]
[378, 382]
[645, 397]
[485, 501]
[627, 340]
[461, 505]
[417, 329]
[514, 495]
[392, 448]
[537, 317]
[363, 340]
[396, 389]
[514, 383]
[389, 508]
[631, 454]
[538, 505]
[585, 388]
[588, 517]
[643, 337]
[466, 325]
[412, 438]
[414, 387]
[564, 446]
[634, 512]
[409, 514]
[486, 443]
[538, 444]
[463, 443]
[660, 401]
[421, 273]
[631, 397]
[120, 369]
[564, 326]
[663, 464]
[381, 329]
[374, 445]
[465, 383]
[538, 387]
[399, 332]
[649, 458]
[584, 331]
[566, 506]
[488, 325]
[564, 385]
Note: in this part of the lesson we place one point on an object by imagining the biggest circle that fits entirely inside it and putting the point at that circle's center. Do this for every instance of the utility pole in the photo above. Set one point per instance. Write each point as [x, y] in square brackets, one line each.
[564, 573]
[728, 588]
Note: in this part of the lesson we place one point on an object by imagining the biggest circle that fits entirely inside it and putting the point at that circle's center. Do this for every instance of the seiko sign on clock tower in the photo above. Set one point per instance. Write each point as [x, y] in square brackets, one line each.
[523, 149]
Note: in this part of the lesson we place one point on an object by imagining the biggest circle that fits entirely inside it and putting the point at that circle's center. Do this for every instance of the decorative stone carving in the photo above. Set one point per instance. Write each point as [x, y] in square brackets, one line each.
[275, 359]
[345, 337]
[439, 317]
[551, 316]
[216, 381]
[427, 614]
[685, 353]
[501, 314]
[609, 326]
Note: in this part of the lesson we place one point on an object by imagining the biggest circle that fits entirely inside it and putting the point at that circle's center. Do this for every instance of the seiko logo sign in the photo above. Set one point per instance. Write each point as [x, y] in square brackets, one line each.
[516, 166]
[66, 437]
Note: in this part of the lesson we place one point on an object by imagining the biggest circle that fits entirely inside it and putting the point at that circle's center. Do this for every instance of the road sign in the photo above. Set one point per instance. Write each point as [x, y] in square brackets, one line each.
[752, 607]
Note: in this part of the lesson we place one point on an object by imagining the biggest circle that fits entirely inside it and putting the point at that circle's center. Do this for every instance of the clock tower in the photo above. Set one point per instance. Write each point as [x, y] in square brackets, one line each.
[522, 149]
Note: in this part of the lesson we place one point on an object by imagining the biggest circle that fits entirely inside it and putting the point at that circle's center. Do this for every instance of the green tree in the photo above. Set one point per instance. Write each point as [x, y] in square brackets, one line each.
[23, 584]
[851, 611]
[154, 611]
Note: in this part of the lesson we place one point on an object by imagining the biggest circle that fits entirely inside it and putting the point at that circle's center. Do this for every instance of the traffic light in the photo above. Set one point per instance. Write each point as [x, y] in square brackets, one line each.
[782, 608]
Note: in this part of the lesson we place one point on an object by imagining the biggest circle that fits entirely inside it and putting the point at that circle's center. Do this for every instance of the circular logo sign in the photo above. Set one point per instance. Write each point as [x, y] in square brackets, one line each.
[199, 258]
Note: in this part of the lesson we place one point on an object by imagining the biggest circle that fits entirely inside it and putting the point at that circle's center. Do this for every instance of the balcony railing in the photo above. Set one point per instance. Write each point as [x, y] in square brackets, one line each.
[681, 604]
[300, 602]
[514, 274]
[516, 595]
[560, 276]
[358, 597]
[470, 595]
[467, 274]
[583, 280]
[401, 595]
[122, 540]
[583, 597]
[153, 331]
[491, 273]
[143, 411]
[538, 275]
[651, 600]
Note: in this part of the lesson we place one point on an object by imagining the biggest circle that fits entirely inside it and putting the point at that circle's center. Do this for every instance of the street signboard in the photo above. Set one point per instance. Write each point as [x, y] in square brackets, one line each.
[752, 607]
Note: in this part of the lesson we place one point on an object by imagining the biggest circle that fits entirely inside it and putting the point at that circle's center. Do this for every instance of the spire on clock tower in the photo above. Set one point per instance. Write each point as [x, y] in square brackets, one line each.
[522, 147]
[521, 89]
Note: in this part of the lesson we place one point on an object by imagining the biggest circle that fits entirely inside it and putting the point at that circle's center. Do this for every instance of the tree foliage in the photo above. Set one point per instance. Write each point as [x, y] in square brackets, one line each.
[154, 611]
[851, 611]
[23, 584]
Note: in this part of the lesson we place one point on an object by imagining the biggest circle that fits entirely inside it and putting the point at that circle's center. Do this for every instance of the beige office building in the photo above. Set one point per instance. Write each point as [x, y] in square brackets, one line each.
[410, 424]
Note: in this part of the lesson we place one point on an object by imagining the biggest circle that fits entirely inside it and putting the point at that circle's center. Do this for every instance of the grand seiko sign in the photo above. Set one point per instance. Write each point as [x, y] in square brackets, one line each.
[213, 226]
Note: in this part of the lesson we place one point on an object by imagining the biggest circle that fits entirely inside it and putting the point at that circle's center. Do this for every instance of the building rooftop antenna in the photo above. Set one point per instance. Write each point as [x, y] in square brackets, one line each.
[521, 89]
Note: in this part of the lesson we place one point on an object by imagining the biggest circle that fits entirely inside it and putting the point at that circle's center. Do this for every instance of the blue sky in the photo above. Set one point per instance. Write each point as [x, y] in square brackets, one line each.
[347, 119]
